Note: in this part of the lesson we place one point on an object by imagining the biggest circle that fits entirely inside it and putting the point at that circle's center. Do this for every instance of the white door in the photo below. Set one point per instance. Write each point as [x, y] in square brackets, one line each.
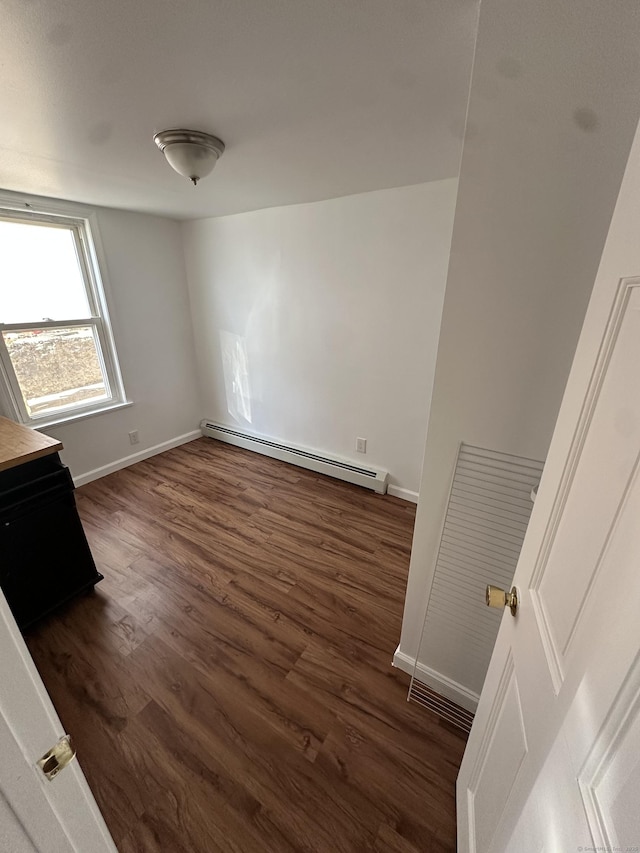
[57, 816]
[553, 759]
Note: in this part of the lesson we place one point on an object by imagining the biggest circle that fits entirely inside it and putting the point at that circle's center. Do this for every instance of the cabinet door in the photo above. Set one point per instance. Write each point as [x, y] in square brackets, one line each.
[45, 557]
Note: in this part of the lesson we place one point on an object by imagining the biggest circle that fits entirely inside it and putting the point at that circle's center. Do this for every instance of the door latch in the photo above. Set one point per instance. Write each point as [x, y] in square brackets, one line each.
[57, 758]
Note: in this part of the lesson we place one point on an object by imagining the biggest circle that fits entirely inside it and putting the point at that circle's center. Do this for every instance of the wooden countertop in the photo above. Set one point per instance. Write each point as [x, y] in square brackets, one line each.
[19, 444]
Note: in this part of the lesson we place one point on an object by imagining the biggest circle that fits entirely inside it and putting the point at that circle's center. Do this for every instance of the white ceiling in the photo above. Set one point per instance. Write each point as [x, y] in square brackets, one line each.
[313, 98]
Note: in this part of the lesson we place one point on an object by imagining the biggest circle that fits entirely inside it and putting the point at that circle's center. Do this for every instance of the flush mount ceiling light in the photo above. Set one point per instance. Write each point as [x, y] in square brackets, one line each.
[190, 152]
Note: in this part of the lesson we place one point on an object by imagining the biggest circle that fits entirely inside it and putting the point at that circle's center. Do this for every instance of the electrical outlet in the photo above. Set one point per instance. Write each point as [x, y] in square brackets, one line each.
[134, 438]
[361, 445]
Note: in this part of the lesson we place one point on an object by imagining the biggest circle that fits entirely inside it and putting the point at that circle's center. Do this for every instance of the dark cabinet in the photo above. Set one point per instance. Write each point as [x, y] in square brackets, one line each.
[44, 556]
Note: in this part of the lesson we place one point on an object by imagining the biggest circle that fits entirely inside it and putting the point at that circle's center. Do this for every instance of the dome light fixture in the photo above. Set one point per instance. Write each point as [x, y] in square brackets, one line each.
[190, 152]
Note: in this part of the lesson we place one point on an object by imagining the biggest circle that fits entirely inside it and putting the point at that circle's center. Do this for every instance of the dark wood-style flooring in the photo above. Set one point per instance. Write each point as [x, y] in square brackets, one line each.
[229, 685]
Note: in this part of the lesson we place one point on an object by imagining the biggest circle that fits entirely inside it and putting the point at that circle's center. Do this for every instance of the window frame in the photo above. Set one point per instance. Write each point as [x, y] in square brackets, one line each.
[83, 227]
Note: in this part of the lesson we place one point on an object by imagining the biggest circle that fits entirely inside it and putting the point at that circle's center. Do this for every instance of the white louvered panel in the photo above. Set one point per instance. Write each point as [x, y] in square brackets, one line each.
[486, 520]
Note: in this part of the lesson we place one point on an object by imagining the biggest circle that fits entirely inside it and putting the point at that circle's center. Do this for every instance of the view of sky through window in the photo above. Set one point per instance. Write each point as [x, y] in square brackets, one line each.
[40, 277]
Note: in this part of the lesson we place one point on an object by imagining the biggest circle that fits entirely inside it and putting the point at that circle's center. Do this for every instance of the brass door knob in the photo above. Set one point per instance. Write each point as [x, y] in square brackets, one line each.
[500, 598]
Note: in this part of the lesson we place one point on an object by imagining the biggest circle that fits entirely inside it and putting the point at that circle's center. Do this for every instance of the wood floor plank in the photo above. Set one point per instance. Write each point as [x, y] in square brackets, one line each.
[184, 790]
[315, 809]
[337, 614]
[390, 841]
[215, 619]
[354, 574]
[229, 684]
[278, 707]
[88, 654]
[419, 801]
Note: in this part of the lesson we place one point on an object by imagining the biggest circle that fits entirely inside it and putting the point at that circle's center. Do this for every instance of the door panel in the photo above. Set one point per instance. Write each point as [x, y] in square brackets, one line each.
[604, 730]
[585, 526]
[554, 821]
[13, 836]
[500, 758]
[568, 697]
[614, 790]
[58, 816]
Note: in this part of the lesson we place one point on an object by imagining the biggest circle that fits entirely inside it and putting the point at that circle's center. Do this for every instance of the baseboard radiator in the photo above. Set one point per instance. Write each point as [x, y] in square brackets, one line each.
[341, 469]
[487, 514]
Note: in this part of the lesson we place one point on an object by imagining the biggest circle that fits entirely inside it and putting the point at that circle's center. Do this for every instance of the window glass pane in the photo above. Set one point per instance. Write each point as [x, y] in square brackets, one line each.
[40, 276]
[57, 369]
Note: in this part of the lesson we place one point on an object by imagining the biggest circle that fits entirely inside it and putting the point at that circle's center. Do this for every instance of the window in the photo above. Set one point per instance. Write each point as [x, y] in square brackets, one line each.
[57, 356]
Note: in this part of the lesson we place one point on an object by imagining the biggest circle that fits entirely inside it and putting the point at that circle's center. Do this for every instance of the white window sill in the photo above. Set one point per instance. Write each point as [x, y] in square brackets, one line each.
[72, 417]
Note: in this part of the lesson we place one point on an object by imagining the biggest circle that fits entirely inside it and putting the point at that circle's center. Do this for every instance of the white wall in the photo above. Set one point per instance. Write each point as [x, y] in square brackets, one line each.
[148, 300]
[555, 98]
[318, 323]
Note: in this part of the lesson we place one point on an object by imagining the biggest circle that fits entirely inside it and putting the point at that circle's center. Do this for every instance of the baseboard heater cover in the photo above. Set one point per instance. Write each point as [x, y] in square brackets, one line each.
[341, 469]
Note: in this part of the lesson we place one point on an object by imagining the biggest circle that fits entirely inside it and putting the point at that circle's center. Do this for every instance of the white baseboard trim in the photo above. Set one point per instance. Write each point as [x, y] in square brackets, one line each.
[404, 494]
[88, 476]
[436, 681]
